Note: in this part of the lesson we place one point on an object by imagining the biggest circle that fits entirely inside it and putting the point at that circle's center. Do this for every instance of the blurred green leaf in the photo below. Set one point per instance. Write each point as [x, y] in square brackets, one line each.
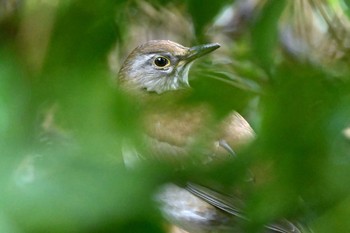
[335, 219]
[84, 32]
[203, 12]
[70, 192]
[347, 2]
[63, 123]
[264, 32]
[14, 97]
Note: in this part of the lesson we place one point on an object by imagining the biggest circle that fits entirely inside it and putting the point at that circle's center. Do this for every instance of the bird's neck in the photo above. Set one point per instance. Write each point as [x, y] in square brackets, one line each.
[148, 99]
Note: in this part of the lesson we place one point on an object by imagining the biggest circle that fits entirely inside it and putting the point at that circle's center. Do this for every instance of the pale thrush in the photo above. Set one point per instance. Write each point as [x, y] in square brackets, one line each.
[156, 74]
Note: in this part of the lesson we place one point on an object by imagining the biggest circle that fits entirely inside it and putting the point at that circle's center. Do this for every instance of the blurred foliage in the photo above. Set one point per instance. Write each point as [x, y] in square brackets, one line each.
[62, 121]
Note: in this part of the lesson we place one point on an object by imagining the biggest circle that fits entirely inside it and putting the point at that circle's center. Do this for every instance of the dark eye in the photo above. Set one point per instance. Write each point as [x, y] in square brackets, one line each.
[161, 61]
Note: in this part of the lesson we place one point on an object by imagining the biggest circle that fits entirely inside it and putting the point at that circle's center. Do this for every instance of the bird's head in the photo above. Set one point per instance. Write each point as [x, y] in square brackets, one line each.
[160, 65]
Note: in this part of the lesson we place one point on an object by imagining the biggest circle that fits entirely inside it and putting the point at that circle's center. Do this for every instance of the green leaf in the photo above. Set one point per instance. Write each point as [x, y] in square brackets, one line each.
[203, 12]
[264, 32]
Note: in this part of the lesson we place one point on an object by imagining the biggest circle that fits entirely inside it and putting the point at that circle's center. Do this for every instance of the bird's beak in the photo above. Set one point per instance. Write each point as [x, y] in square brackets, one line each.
[193, 53]
[200, 50]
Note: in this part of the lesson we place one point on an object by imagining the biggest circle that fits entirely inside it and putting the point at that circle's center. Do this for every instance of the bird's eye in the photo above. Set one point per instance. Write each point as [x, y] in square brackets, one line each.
[161, 62]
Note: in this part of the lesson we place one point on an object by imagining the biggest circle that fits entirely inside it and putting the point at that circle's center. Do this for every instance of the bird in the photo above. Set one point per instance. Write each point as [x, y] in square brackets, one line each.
[156, 74]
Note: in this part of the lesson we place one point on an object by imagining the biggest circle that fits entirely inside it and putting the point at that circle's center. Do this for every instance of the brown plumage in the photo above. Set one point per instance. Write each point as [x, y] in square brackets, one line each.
[171, 128]
[156, 74]
[177, 130]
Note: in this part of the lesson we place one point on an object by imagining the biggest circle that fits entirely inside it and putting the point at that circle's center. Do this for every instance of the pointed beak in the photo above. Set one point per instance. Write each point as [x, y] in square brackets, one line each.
[199, 51]
[193, 53]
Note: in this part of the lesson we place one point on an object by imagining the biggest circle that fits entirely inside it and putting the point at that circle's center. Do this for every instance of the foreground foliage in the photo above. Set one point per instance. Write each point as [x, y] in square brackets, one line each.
[62, 119]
